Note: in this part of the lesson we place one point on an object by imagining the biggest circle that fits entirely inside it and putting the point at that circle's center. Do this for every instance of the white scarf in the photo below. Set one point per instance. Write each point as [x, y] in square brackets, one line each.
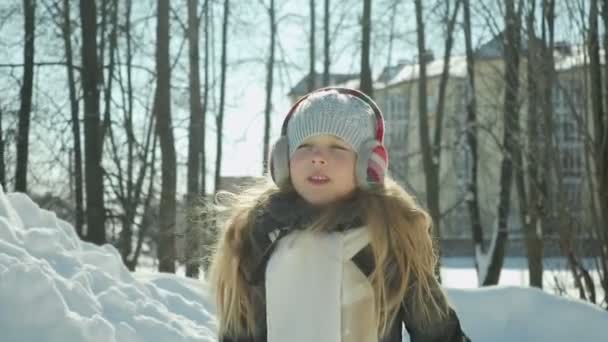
[303, 283]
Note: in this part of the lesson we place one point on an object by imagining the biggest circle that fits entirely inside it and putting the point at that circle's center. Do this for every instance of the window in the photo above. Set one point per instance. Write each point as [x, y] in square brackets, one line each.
[569, 131]
[463, 163]
[571, 160]
[432, 104]
[571, 187]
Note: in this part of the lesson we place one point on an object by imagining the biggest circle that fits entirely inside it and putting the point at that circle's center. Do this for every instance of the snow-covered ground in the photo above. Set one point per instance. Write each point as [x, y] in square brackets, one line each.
[54, 287]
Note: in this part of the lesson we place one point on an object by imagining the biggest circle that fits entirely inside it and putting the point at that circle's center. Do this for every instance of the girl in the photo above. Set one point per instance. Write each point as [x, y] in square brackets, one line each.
[334, 250]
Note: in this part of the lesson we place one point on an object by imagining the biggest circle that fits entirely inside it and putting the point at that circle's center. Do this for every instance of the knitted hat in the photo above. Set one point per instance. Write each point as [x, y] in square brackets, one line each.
[346, 113]
[334, 113]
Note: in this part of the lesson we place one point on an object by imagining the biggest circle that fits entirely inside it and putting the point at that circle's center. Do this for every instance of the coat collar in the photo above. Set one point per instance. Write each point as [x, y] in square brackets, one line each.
[291, 210]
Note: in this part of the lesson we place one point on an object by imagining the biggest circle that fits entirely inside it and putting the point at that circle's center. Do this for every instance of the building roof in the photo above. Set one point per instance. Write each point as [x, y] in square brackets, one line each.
[409, 72]
[577, 56]
[301, 88]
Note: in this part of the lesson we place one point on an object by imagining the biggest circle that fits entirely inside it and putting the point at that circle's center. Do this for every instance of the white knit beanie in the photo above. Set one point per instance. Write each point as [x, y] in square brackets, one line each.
[333, 113]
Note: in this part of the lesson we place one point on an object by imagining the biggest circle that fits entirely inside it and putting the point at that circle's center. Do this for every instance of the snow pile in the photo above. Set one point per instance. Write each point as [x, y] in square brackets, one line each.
[53, 287]
[506, 314]
[56, 288]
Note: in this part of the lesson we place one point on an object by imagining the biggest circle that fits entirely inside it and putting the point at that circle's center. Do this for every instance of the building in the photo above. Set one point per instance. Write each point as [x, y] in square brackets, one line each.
[396, 92]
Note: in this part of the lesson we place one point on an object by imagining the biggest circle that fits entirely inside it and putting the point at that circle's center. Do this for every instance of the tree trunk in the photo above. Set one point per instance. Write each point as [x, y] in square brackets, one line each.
[551, 174]
[366, 85]
[473, 198]
[108, 89]
[312, 74]
[595, 78]
[23, 132]
[193, 239]
[510, 140]
[443, 83]
[326, 61]
[145, 222]
[203, 169]
[603, 159]
[101, 53]
[133, 204]
[429, 165]
[220, 116]
[130, 198]
[269, 84]
[166, 243]
[93, 171]
[133, 191]
[600, 124]
[67, 40]
[604, 16]
[391, 34]
[530, 197]
[2, 166]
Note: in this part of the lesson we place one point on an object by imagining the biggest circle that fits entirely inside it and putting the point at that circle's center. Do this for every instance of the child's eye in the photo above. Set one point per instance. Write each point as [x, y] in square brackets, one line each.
[303, 146]
[339, 147]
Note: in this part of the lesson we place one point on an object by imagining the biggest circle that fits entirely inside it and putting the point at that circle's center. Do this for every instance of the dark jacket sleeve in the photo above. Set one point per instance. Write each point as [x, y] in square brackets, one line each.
[446, 329]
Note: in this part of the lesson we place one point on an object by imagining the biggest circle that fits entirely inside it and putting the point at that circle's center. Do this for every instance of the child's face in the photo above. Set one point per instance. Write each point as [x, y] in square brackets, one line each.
[322, 169]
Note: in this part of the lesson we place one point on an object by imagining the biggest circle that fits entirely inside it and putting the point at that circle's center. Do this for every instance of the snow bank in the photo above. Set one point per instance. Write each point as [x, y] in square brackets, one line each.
[53, 287]
[506, 314]
[56, 288]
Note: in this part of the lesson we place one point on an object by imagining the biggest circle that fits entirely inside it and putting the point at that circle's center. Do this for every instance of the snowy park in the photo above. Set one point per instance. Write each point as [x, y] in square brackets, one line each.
[56, 287]
[122, 124]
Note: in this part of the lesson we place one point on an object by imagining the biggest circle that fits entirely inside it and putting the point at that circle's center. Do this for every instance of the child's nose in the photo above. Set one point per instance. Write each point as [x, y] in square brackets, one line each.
[318, 157]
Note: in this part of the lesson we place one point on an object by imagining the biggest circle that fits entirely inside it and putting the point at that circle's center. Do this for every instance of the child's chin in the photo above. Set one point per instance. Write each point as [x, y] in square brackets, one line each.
[319, 201]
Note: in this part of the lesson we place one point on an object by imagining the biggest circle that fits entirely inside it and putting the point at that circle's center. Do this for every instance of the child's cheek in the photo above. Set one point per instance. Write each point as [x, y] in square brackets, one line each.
[341, 156]
[298, 156]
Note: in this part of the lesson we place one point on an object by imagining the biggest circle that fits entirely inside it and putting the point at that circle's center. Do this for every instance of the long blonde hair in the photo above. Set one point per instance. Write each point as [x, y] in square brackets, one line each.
[401, 242]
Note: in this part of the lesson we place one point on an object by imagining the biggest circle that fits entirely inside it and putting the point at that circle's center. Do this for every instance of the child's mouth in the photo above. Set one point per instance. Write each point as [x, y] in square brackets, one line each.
[318, 180]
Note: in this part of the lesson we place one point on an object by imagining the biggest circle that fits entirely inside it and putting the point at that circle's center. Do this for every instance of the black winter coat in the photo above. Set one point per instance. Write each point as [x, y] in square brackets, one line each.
[284, 214]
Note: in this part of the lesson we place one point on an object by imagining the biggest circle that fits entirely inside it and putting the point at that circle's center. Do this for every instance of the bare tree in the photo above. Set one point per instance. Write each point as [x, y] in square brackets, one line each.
[600, 134]
[604, 16]
[391, 34]
[365, 84]
[269, 84]
[166, 243]
[312, 74]
[602, 160]
[203, 169]
[429, 170]
[431, 150]
[66, 33]
[473, 193]
[25, 110]
[147, 209]
[126, 183]
[195, 135]
[510, 139]
[131, 199]
[2, 166]
[220, 116]
[529, 193]
[93, 171]
[326, 60]
[112, 48]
